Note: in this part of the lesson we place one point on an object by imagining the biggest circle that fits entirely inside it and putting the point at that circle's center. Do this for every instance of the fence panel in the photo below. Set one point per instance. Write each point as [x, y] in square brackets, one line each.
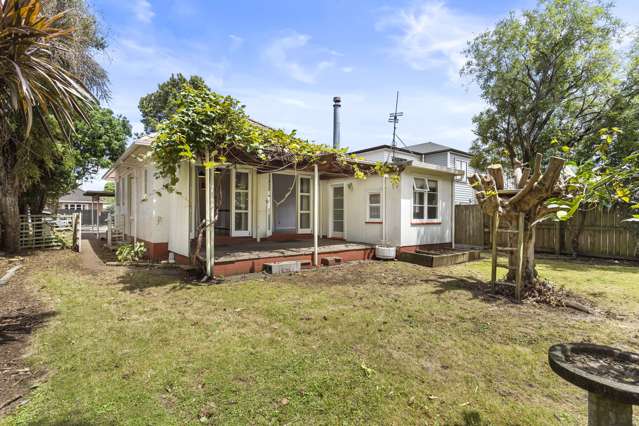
[46, 231]
[604, 233]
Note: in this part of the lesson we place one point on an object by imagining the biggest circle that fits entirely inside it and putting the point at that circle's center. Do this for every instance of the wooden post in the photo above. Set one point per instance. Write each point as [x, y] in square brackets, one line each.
[520, 256]
[109, 231]
[208, 204]
[494, 226]
[316, 196]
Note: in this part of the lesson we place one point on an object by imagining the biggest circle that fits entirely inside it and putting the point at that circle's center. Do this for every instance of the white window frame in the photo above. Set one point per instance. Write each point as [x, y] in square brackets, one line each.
[301, 230]
[379, 219]
[463, 165]
[145, 191]
[247, 232]
[426, 205]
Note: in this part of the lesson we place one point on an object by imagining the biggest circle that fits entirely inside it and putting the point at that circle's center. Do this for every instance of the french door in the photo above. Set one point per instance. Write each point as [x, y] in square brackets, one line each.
[337, 216]
[241, 203]
[304, 202]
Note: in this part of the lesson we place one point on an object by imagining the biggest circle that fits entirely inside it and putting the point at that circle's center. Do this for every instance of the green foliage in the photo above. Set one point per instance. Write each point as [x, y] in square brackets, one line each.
[160, 105]
[547, 73]
[99, 142]
[130, 252]
[109, 186]
[601, 178]
[207, 123]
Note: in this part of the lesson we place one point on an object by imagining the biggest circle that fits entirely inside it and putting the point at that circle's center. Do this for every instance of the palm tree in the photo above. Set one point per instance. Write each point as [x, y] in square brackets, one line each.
[33, 85]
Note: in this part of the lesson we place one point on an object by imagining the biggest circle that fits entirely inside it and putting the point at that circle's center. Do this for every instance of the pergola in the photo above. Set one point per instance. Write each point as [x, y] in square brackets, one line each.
[327, 164]
[95, 206]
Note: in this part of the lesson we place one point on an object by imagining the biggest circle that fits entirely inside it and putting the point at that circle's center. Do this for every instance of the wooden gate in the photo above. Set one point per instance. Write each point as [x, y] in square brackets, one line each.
[50, 231]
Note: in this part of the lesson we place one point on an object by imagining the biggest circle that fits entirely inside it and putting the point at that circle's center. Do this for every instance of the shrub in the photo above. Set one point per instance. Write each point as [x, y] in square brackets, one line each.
[130, 252]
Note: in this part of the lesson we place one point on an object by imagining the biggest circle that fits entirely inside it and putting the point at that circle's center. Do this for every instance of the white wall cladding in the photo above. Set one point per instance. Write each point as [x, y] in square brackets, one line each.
[413, 234]
[179, 213]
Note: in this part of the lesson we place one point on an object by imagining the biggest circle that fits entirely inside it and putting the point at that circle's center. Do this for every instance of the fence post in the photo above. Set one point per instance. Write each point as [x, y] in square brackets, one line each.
[109, 230]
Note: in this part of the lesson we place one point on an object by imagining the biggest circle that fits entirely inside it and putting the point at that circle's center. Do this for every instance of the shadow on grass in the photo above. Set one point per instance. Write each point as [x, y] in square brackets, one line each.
[12, 327]
[568, 264]
[476, 288]
[138, 280]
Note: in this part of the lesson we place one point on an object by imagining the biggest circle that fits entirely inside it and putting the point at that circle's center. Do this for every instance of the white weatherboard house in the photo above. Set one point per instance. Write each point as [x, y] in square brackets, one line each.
[268, 216]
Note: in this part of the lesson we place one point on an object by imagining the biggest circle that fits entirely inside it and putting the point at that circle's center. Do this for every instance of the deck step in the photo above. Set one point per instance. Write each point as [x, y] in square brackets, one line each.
[331, 260]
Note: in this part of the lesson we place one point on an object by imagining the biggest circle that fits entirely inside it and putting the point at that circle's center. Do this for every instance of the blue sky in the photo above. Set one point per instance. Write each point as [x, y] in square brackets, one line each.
[286, 59]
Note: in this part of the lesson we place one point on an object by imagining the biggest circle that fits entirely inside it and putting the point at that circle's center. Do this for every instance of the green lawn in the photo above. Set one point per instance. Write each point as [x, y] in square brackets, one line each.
[373, 343]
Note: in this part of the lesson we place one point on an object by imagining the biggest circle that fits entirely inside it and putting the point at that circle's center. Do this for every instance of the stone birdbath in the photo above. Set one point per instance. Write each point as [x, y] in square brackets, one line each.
[610, 376]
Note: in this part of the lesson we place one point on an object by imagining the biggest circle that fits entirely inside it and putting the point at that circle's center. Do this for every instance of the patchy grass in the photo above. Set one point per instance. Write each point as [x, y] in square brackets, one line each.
[379, 343]
[613, 285]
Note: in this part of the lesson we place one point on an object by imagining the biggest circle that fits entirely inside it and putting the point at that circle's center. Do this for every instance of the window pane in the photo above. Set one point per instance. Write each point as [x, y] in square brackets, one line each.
[241, 201]
[338, 203]
[241, 221]
[374, 212]
[305, 186]
[420, 183]
[418, 212]
[338, 214]
[305, 220]
[241, 181]
[374, 198]
[432, 185]
[338, 191]
[432, 199]
[432, 212]
[418, 198]
[305, 202]
[338, 226]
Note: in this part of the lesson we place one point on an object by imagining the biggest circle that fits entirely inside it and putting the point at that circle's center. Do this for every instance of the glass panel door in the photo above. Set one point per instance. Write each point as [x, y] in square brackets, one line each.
[337, 211]
[241, 203]
[304, 205]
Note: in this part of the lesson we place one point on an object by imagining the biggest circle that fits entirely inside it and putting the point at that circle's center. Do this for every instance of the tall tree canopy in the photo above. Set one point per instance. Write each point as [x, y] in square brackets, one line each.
[34, 86]
[548, 76]
[158, 106]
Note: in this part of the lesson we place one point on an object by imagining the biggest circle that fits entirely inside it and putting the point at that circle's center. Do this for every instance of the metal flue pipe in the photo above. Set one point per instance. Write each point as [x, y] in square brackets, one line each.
[337, 105]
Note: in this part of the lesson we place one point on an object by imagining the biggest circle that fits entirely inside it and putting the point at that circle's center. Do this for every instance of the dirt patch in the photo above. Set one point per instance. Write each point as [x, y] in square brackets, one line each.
[21, 312]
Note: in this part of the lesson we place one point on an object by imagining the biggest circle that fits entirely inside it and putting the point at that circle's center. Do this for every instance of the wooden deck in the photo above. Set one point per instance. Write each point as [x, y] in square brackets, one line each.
[232, 259]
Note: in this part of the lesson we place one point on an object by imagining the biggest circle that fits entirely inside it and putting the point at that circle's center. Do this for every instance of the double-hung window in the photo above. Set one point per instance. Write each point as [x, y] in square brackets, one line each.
[374, 207]
[425, 205]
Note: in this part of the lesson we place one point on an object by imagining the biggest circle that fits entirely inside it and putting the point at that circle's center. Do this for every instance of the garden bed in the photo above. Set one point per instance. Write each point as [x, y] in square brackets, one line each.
[440, 257]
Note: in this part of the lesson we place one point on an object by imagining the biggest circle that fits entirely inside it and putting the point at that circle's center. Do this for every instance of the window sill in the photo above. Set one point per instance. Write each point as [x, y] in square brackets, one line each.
[425, 222]
[374, 221]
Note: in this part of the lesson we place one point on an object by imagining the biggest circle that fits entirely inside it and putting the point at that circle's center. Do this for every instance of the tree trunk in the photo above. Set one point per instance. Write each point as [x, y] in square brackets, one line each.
[9, 214]
[529, 272]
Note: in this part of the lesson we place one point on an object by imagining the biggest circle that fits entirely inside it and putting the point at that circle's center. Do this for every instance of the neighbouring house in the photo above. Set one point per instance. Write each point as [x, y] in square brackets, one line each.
[92, 205]
[431, 153]
[267, 214]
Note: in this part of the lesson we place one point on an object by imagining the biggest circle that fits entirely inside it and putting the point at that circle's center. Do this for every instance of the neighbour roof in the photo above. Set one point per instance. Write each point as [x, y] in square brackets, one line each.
[432, 148]
[418, 149]
[75, 195]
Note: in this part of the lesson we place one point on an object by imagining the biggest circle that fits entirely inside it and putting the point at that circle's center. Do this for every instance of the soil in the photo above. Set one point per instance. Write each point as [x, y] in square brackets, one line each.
[21, 312]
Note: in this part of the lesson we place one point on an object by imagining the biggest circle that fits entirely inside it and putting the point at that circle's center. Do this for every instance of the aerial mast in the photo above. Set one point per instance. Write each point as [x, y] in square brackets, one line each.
[393, 117]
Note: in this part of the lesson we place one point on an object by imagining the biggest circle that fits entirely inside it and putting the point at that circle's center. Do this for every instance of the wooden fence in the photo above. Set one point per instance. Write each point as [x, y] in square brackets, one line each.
[603, 234]
[50, 231]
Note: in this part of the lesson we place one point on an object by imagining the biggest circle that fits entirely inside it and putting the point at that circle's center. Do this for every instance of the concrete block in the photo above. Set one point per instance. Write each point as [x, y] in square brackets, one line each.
[282, 267]
[331, 260]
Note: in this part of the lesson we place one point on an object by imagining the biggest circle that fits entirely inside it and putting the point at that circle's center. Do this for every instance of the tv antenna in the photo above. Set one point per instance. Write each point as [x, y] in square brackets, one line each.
[393, 117]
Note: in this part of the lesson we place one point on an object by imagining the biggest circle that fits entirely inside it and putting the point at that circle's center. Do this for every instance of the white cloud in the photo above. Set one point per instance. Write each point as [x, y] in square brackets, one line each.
[236, 41]
[431, 35]
[347, 69]
[278, 55]
[143, 11]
